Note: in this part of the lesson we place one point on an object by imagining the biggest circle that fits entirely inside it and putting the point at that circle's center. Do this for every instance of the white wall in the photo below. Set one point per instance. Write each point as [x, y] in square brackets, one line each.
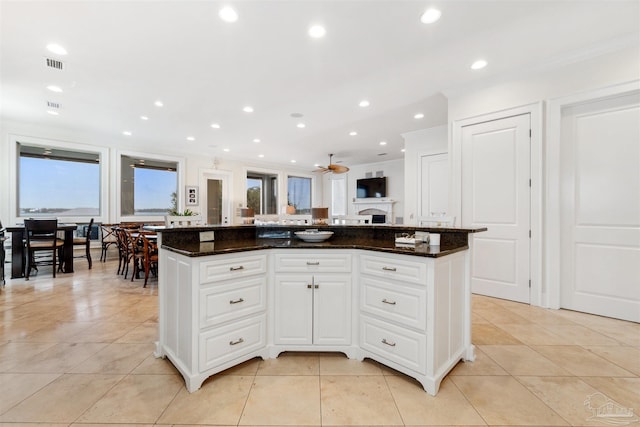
[417, 144]
[527, 88]
[194, 162]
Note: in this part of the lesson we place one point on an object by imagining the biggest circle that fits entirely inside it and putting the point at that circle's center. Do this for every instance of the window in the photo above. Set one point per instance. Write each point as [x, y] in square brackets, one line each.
[148, 187]
[339, 196]
[299, 194]
[59, 182]
[262, 193]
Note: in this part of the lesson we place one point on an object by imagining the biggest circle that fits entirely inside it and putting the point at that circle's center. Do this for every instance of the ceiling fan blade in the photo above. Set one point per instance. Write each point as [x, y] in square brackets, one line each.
[338, 168]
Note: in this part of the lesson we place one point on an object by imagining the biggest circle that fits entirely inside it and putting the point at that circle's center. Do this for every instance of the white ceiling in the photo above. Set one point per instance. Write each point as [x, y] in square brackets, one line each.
[124, 55]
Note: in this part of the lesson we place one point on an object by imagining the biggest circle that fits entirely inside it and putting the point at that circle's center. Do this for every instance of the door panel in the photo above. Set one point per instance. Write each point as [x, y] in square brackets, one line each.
[600, 207]
[496, 195]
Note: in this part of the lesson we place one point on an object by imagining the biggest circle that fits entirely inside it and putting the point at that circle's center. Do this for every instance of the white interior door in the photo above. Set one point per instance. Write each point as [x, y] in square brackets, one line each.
[496, 194]
[600, 207]
[434, 184]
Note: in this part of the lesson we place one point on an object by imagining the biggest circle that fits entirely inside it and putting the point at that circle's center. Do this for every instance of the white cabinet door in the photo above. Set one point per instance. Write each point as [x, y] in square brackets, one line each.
[332, 309]
[600, 207]
[313, 309]
[496, 195]
[293, 309]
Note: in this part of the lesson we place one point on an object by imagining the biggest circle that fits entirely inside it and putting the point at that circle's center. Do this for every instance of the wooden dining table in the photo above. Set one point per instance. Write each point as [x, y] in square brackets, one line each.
[18, 251]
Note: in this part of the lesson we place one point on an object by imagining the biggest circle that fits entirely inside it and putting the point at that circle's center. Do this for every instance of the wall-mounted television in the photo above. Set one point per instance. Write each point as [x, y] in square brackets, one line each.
[371, 187]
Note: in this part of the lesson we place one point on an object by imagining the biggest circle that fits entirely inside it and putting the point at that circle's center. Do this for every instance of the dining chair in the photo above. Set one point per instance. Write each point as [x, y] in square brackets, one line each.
[41, 235]
[145, 257]
[436, 221]
[108, 237]
[86, 243]
[124, 250]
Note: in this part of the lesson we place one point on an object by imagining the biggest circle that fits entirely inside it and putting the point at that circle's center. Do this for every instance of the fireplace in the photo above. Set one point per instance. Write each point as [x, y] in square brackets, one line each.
[381, 209]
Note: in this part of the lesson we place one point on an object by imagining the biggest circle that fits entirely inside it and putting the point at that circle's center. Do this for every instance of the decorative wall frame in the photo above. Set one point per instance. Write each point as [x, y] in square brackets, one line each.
[191, 196]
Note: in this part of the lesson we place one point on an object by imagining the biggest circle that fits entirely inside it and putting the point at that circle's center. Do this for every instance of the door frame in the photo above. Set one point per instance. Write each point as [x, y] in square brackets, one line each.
[535, 111]
[227, 184]
[553, 248]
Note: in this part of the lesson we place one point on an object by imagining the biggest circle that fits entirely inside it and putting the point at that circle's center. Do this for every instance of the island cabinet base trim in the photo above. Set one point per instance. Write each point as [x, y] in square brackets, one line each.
[352, 352]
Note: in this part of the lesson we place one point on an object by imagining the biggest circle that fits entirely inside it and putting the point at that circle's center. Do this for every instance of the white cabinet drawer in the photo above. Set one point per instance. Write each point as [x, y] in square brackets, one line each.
[329, 263]
[402, 304]
[229, 342]
[227, 268]
[394, 343]
[226, 302]
[394, 268]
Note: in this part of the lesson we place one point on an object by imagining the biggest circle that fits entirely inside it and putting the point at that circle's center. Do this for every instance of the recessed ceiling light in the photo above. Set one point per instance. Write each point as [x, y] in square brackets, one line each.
[190, 138]
[53, 113]
[54, 88]
[144, 118]
[57, 49]
[479, 64]
[430, 16]
[419, 116]
[353, 133]
[383, 142]
[256, 140]
[293, 161]
[158, 104]
[316, 165]
[364, 103]
[317, 31]
[126, 132]
[402, 151]
[215, 125]
[228, 14]
[226, 150]
[248, 109]
[261, 155]
[301, 125]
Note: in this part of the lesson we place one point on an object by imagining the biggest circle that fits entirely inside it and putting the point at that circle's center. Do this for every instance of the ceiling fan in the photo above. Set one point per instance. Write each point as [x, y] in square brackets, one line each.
[332, 167]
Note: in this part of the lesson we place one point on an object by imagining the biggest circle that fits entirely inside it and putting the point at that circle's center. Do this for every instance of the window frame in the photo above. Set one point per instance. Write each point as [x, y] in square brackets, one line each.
[103, 152]
[117, 181]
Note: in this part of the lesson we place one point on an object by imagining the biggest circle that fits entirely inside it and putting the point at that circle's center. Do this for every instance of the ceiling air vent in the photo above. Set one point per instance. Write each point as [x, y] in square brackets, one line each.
[54, 63]
[52, 104]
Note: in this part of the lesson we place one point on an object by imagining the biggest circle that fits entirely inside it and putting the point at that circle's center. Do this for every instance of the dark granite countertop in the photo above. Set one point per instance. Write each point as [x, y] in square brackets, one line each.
[197, 249]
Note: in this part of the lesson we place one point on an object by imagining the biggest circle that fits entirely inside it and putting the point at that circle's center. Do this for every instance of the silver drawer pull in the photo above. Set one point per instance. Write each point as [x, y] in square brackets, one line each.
[236, 301]
[240, 341]
[386, 301]
[384, 341]
[313, 263]
[236, 268]
[389, 268]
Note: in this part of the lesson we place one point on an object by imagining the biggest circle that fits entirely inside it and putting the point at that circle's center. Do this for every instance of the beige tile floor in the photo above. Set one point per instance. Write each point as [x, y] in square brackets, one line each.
[77, 350]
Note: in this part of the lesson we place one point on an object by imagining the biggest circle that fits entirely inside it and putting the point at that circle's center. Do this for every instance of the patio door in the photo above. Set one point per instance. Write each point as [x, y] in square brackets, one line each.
[215, 201]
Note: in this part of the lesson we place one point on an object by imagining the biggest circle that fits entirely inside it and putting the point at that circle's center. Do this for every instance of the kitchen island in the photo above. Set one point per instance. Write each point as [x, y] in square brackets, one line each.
[231, 293]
